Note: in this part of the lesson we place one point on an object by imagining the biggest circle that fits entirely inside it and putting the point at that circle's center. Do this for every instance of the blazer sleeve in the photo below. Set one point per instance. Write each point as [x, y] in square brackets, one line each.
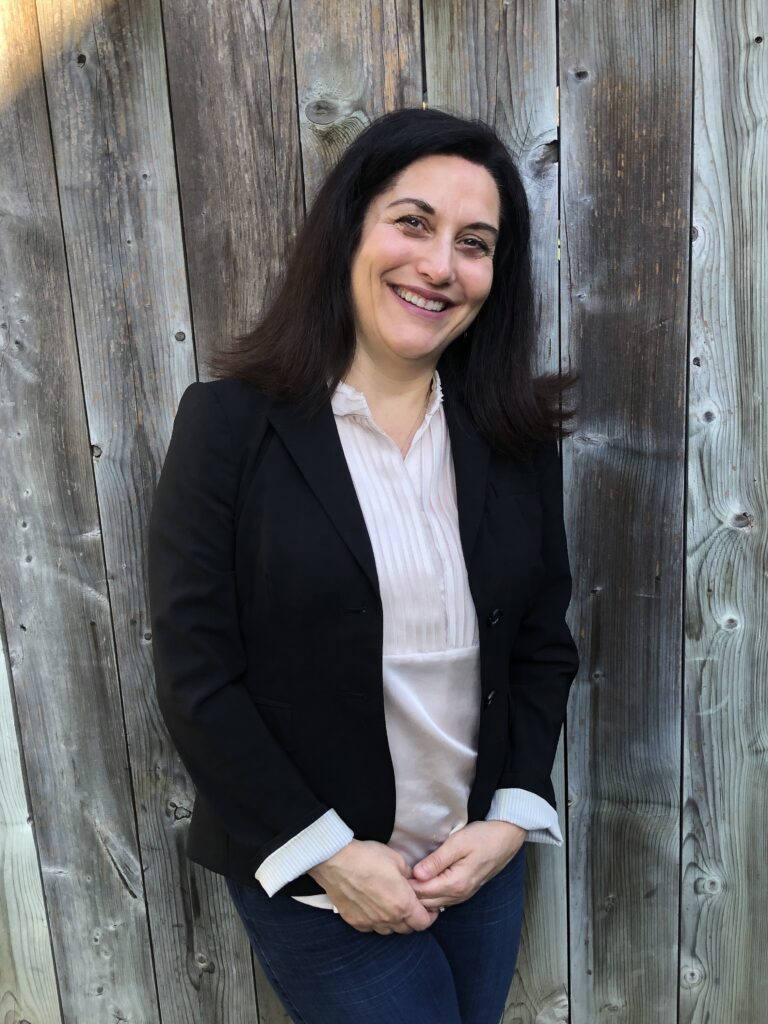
[544, 658]
[231, 756]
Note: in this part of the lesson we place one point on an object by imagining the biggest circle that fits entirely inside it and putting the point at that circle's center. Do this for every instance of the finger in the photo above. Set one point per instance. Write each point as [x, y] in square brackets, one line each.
[401, 863]
[420, 918]
[382, 929]
[440, 860]
[436, 906]
[438, 887]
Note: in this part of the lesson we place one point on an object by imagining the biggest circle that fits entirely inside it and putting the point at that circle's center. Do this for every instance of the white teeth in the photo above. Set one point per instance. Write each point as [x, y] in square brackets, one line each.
[417, 300]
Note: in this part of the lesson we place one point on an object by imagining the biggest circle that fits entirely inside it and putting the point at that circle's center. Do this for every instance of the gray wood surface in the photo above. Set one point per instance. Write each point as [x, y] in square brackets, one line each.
[353, 63]
[155, 164]
[237, 150]
[27, 971]
[724, 921]
[55, 593]
[626, 151]
[498, 62]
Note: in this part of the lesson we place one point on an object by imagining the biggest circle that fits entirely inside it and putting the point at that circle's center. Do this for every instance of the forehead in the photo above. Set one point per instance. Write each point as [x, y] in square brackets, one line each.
[451, 184]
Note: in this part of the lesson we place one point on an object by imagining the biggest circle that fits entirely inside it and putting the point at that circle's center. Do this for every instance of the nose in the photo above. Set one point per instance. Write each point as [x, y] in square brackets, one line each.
[436, 261]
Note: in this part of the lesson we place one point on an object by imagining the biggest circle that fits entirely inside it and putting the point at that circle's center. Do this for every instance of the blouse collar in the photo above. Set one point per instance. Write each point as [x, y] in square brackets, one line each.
[348, 401]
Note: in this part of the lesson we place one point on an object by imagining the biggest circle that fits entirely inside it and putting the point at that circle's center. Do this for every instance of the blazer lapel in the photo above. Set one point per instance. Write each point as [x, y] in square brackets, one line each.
[316, 448]
[471, 455]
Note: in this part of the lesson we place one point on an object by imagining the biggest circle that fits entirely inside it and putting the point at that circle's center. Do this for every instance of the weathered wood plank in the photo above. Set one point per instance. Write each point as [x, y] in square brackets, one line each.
[725, 850]
[54, 594]
[111, 125]
[237, 148]
[625, 129]
[498, 62]
[237, 145]
[27, 972]
[354, 62]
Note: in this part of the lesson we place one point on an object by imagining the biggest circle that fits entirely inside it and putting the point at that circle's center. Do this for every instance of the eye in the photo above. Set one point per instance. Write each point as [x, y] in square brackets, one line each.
[410, 217]
[481, 245]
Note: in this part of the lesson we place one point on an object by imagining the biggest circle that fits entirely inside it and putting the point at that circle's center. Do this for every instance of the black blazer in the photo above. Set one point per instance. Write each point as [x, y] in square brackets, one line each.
[267, 623]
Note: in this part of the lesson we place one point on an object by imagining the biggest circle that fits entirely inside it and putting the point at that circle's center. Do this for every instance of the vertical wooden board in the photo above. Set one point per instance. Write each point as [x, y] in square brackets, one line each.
[498, 62]
[233, 93]
[27, 972]
[237, 150]
[54, 590]
[271, 1010]
[115, 161]
[725, 851]
[354, 62]
[625, 116]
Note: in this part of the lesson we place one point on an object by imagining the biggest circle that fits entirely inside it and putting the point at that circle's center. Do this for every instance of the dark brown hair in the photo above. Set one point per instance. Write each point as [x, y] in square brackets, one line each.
[306, 336]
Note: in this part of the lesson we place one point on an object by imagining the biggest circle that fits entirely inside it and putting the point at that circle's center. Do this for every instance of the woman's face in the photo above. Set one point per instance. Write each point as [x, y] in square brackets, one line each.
[433, 232]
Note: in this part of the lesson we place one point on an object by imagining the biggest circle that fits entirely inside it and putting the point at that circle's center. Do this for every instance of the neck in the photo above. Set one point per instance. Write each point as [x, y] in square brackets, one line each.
[397, 402]
[403, 388]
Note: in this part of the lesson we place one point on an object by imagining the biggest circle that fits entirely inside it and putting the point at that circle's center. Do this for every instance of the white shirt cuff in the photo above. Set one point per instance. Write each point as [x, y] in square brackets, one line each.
[317, 842]
[529, 811]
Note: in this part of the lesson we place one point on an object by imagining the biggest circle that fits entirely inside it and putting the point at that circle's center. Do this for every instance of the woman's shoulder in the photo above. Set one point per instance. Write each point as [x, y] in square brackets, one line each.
[233, 390]
[238, 406]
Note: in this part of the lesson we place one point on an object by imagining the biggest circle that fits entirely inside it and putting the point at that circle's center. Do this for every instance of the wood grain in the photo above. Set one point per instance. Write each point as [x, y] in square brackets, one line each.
[55, 592]
[27, 972]
[111, 127]
[156, 160]
[354, 62]
[725, 826]
[498, 62]
[237, 149]
[626, 132]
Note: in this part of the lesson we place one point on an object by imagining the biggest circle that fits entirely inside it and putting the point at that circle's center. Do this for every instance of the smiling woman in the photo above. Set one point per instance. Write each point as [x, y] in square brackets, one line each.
[358, 581]
[419, 281]
[437, 202]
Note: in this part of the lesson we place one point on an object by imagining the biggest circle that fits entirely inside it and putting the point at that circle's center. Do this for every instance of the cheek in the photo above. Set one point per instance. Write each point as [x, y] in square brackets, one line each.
[478, 282]
[387, 249]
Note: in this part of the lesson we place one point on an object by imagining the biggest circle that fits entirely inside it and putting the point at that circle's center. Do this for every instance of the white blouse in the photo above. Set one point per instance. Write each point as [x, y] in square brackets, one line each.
[431, 653]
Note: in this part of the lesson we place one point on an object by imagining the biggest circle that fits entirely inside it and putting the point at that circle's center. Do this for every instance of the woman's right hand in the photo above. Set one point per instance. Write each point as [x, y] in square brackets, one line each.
[367, 882]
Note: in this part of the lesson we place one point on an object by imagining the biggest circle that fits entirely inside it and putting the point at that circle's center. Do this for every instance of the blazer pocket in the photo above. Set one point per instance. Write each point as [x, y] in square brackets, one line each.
[277, 716]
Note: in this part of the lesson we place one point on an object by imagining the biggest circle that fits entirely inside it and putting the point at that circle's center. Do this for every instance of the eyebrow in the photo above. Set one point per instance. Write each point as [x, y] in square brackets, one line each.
[478, 225]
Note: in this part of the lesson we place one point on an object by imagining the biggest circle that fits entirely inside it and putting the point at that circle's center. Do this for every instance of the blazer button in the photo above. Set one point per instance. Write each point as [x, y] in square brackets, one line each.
[489, 697]
[494, 617]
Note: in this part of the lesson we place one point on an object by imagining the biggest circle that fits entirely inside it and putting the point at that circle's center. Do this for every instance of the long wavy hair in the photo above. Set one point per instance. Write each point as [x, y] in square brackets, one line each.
[306, 335]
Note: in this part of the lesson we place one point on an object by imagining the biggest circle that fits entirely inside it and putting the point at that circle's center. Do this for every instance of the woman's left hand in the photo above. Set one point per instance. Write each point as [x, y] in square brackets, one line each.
[465, 861]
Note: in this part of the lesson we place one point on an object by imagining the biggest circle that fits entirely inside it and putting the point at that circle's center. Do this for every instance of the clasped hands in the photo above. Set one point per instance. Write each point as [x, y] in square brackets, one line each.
[374, 889]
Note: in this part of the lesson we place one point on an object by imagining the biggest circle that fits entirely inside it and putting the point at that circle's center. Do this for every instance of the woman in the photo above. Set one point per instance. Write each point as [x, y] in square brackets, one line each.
[358, 582]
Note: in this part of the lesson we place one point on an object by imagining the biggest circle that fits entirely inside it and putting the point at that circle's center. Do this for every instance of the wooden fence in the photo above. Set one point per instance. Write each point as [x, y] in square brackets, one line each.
[157, 159]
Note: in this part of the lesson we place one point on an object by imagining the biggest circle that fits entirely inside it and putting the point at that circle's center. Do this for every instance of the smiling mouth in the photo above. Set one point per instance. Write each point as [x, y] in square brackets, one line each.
[418, 303]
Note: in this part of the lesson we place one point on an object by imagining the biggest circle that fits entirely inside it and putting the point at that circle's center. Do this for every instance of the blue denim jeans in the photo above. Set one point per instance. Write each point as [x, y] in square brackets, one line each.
[457, 971]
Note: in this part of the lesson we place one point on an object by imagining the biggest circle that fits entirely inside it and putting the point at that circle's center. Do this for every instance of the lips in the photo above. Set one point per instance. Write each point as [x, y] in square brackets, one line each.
[424, 293]
[429, 314]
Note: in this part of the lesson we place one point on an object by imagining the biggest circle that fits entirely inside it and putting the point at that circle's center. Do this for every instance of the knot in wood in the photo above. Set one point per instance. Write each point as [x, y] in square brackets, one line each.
[322, 111]
[547, 155]
[691, 976]
[707, 886]
[742, 520]
[179, 811]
